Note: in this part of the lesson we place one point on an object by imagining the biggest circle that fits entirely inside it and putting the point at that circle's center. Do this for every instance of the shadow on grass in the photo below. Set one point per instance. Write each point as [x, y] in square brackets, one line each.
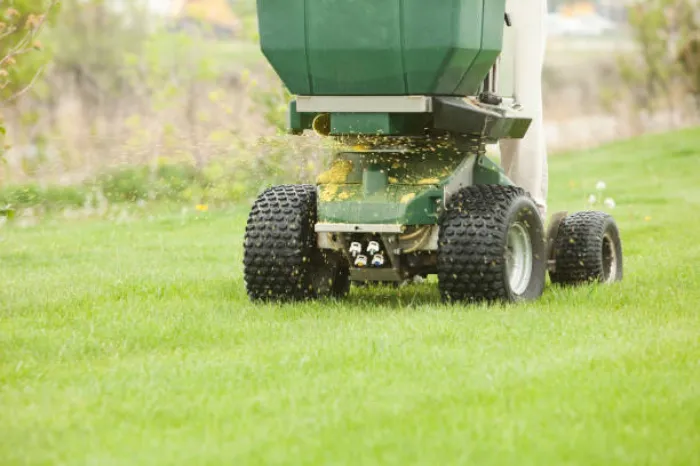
[380, 298]
[389, 296]
[361, 298]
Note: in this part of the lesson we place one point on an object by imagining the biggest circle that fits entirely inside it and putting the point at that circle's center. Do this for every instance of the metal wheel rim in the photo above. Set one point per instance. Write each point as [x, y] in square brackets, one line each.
[609, 259]
[518, 258]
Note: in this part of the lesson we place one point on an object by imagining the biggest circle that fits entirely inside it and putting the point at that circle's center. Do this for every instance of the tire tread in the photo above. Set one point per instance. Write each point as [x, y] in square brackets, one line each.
[278, 246]
[578, 248]
[472, 243]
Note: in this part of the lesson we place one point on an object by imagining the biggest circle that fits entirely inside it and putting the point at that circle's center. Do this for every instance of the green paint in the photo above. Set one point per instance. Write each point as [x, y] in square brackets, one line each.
[449, 114]
[361, 123]
[488, 172]
[404, 188]
[385, 124]
[374, 124]
[285, 47]
[352, 205]
[415, 167]
[381, 47]
[374, 180]
[297, 122]
[491, 44]
[387, 187]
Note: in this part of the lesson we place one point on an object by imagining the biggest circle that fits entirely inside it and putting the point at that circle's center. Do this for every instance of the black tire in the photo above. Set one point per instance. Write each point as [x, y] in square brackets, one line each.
[282, 261]
[473, 241]
[587, 249]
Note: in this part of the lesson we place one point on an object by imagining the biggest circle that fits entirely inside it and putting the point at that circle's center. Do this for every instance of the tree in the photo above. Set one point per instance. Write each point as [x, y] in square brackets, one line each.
[667, 63]
[689, 47]
[21, 22]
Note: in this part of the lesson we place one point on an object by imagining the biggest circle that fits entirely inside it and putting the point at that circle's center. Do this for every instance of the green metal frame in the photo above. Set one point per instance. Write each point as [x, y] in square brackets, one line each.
[449, 114]
[408, 187]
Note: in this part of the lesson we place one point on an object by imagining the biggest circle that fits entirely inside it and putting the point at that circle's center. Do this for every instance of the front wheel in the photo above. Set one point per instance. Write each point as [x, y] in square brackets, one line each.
[282, 261]
[491, 246]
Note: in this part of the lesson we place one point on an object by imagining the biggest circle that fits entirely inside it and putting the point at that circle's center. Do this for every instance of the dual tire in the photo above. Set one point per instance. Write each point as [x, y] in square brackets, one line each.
[491, 246]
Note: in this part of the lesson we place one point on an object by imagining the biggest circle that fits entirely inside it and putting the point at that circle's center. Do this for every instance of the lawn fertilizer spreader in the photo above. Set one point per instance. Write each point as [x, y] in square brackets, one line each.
[412, 92]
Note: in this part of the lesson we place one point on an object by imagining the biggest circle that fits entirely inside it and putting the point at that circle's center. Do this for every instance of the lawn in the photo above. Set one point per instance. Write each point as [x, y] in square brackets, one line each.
[134, 343]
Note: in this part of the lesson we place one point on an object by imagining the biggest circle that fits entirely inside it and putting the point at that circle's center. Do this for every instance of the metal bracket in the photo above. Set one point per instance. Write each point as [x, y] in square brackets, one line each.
[358, 228]
[552, 231]
[370, 274]
[365, 104]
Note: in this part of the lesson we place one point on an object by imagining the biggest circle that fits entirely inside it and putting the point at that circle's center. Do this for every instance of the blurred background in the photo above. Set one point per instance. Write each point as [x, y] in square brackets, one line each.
[142, 100]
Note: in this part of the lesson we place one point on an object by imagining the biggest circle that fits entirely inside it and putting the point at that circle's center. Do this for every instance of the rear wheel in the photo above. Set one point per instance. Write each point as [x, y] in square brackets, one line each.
[491, 246]
[282, 261]
[587, 248]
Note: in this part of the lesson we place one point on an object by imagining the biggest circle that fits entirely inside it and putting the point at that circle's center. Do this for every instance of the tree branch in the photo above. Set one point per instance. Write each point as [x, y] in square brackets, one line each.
[10, 30]
[25, 43]
[24, 89]
[21, 47]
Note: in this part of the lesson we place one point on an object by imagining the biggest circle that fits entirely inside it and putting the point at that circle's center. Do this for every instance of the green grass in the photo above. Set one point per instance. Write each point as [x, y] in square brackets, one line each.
[134, 343]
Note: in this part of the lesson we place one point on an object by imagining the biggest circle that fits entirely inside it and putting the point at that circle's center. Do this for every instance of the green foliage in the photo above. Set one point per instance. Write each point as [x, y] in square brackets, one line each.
[230, 179]
[52, 197]
[7, 212]
[23, 196]
[662, 30]
[173, 180]
[118, 185]
[125, 184]
[60, 197]
[169, 181]
[153, 79]
[166, 67]
[247, 12]
[21, 53]
[272, 99]
[91, 40]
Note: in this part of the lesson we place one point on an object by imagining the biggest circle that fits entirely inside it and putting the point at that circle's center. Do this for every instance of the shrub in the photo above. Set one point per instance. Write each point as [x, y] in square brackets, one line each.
[51, 198]
[22, 196]
[61, 197]
[173, 181]
[124, 183]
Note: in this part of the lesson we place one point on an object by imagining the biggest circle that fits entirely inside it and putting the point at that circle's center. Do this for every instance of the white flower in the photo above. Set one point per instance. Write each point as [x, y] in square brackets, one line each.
[592, 199]
[600, 186]
[609, 203]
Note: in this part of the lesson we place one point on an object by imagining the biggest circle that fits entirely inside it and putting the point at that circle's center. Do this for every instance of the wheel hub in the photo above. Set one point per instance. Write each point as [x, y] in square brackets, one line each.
[609, 260]
[518, 258]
